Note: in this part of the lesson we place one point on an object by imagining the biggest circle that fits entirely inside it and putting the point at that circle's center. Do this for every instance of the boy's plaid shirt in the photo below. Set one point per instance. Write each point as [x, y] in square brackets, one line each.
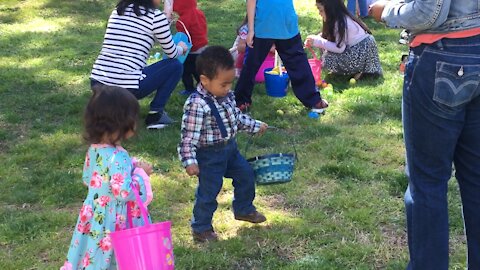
[200, 129]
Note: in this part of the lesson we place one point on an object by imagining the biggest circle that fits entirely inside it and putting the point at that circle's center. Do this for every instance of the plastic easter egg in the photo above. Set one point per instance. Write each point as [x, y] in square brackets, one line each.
[313, 115]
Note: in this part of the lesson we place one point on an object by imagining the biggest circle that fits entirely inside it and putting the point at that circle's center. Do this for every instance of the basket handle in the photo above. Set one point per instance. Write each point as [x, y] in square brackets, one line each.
[251, 142]
[140, 204]
[186, 30]
[312, 51]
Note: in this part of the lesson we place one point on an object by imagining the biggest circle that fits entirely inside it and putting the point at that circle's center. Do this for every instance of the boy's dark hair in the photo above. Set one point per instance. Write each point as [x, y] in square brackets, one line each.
[213, 59]
[110, 110]
[123, 4]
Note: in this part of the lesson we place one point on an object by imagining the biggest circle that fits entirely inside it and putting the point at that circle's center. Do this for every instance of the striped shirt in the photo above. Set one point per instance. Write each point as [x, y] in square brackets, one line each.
[200, 129]
[127, 44]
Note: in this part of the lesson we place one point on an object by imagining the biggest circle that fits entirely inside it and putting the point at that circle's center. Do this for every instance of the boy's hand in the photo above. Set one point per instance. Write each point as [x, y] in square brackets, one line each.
[148, 168]
[250, 37]
[263, 129]
[193, 170]
[376, 9]
[183, 46]
[309, 41]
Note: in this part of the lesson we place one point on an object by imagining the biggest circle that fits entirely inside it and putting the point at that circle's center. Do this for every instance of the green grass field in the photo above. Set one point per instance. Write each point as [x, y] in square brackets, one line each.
[343, 210]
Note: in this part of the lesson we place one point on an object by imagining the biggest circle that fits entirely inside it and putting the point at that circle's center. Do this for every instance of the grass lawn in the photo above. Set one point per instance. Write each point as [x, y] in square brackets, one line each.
[343, 210]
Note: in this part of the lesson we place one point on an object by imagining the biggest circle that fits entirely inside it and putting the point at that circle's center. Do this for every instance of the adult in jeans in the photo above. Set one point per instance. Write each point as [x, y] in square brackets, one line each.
[132, 29]
[441, 117]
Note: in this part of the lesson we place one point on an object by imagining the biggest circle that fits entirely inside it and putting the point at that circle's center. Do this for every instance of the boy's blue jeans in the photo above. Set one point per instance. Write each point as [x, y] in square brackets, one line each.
[441, 115]
[216, 162]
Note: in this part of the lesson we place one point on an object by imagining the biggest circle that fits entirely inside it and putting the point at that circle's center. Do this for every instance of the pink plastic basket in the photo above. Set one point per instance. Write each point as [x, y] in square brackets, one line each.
[148, 247]
[268, 63]
[316, 66]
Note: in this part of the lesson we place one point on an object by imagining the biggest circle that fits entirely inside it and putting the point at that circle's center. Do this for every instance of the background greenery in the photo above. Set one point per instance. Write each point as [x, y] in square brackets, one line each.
[343, 210]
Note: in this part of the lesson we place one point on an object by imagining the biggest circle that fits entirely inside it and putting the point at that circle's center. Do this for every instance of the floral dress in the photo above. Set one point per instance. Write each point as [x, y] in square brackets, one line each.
[108, 172]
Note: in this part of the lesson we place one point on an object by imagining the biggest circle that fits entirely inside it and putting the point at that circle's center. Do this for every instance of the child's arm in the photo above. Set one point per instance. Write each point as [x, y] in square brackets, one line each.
[123, 175]
[168, 8]
[161, 31]
[192, 123]
[251, 6]
[145, 172]
[248, 124]
[241, 45]
[86, 170]
[320, 42]
[413, 15]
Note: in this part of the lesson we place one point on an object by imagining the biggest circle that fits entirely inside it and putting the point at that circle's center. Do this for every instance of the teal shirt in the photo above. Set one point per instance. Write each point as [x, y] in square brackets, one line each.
[276, 19]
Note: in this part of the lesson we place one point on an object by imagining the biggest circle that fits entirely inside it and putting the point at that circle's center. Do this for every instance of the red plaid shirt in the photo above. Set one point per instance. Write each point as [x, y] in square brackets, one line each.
[200, 129]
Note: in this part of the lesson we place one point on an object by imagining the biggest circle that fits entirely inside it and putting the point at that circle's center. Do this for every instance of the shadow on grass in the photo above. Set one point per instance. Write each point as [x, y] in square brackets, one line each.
[278, 246]
[377, 110]
[42, 97]
[9, 15]
[230, 13]
[81, 11]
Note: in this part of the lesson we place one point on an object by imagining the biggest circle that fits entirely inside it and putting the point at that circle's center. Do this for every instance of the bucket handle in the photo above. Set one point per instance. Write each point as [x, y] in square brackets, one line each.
[186, 30]
[251, 142]
[312, 51]
[140, 204]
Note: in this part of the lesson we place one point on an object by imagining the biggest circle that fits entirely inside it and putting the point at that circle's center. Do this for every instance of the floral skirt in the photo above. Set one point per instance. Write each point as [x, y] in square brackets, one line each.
[360, 58]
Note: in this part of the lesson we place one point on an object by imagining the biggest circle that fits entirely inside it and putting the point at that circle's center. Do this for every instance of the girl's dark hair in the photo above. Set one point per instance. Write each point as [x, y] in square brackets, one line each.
[337, 13]
[110, 111]
[123, 4]
[245, 21]
[214, 59]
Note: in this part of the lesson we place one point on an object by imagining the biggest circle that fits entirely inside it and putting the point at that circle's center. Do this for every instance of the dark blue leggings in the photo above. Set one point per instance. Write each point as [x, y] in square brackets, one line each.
[295, 60]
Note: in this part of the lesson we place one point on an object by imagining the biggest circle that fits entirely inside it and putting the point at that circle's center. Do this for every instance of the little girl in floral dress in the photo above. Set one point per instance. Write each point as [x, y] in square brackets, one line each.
[109, 172]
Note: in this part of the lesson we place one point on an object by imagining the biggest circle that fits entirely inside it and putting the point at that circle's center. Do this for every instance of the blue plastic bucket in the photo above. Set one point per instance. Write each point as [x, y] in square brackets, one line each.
[277, 86]
[180, 36]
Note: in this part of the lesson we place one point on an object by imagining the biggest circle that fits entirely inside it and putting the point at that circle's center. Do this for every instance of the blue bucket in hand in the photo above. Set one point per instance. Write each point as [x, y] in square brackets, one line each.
[176, 39]
[182, 37]
[277, 86]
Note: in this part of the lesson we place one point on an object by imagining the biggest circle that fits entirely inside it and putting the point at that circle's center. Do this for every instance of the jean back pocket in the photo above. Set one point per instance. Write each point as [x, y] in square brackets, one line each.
[456, 84]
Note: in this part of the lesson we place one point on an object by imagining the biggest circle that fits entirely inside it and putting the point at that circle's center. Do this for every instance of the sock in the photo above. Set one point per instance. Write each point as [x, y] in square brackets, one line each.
[152, 112]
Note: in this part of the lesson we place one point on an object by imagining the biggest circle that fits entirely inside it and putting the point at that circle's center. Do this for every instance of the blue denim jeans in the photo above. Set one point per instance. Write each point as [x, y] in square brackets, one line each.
[441, 115]
[162, 77]
[216, 162]
[362, 4]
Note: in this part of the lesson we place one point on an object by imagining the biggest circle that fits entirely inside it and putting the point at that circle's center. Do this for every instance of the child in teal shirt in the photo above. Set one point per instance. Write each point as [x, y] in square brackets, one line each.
[275, 22]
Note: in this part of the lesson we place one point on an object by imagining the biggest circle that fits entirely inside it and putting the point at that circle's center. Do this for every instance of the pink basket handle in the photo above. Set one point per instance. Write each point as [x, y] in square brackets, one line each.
[312, 51]
[140, 204]
[186, 30]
